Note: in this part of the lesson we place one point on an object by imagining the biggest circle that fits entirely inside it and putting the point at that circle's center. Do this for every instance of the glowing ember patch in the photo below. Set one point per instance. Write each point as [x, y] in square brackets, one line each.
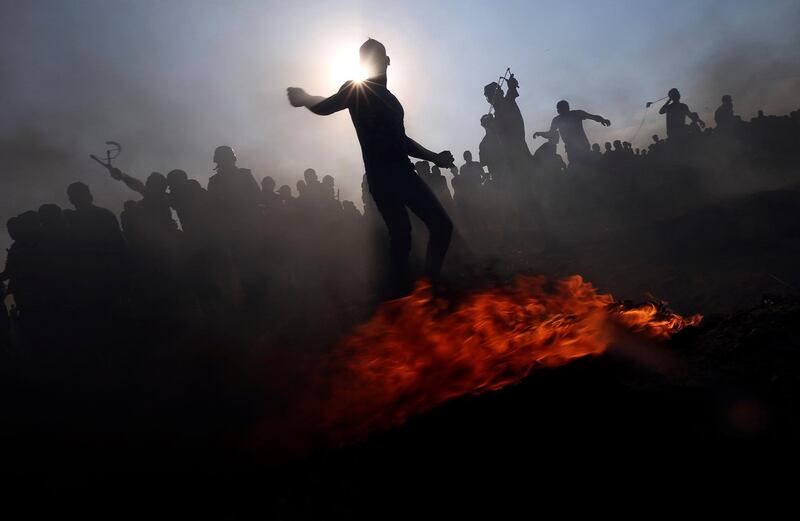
[417, 352]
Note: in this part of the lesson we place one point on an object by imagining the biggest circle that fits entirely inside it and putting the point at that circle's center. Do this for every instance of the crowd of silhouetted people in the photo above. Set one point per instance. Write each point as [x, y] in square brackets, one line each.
[264, 259]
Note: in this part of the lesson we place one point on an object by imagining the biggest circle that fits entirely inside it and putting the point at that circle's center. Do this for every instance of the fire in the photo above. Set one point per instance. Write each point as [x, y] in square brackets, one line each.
[419, 351]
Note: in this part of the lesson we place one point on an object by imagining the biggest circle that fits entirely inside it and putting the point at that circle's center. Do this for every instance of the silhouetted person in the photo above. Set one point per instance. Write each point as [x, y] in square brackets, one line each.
[53, 227]
[569, 124]
[328, 189]
[490, 151]
[547, 159]
[92, 227]
[378, 119]
[724, 116]
[285, 193]
[233, 191]
[677, 113]
[471, 172]
[99, 253]
[313, 188]
[350, 211]
[440, 189]
[190, 201]
[26, 264]
[54, 244]
[597, 155]
[508, 121]
[302, 193]
[269, 197]
[129, 220]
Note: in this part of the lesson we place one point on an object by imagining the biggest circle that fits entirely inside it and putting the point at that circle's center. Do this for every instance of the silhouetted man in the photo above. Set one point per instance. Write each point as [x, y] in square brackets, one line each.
[285, 194]
[471, 171]
[596, 154]
[269, 197]
[490, 152]
[509, 124]
[26, 263]
[724, 116]
[232, 190]
[98, 250]
[154, 208]
[569, 124]
[378, 119]
[190, 201]
[546, 157]
[677, 113]
[92, 227]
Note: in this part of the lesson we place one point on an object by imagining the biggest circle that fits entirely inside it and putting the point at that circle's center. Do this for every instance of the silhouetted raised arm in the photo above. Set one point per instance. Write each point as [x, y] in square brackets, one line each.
[318, 104]
[594, 117]
[130, 181]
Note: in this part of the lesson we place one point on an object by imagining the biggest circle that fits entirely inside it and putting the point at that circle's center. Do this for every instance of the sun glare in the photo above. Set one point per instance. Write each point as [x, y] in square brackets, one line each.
[345, 66]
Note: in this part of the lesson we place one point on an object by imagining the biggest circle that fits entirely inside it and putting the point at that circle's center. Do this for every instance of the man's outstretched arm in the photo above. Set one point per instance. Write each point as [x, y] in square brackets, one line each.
[443, 159]
[594, 117]
[318, 104]
[130, 181]
[548, 134]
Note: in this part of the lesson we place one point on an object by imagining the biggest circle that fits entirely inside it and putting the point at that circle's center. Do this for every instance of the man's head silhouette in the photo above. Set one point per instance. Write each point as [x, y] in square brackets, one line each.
[422, 167]
[374, 59]
[562, 107]
[674, 94]
[727, 99]
[467, 156]
[310, 176]
[487, 120]
[176, 177]
[50, 216]
[268, 184]
[79, 195]
[156, 183]
[492, 91]
[224, 157]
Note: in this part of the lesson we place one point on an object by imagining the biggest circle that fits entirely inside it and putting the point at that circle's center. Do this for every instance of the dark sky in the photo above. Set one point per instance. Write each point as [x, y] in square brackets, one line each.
[171, 80]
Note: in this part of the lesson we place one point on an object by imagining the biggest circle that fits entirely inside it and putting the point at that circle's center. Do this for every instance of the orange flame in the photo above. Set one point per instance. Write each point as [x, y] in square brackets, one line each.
[419, 351]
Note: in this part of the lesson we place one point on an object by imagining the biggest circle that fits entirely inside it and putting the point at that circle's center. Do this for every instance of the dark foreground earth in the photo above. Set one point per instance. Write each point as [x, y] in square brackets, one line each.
[721, 392]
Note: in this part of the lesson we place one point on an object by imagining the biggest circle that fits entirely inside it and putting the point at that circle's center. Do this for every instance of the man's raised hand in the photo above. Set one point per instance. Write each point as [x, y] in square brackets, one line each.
[297, 96]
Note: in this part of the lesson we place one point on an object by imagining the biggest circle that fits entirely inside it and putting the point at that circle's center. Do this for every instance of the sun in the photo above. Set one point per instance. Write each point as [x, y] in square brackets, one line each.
[344, 65]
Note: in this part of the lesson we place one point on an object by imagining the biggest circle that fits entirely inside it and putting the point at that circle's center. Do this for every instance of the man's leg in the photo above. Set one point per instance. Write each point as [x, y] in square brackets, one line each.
[391, 207]
[421, 200]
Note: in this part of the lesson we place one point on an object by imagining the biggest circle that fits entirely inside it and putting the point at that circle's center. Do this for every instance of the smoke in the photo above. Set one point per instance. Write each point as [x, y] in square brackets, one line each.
[172, 81]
